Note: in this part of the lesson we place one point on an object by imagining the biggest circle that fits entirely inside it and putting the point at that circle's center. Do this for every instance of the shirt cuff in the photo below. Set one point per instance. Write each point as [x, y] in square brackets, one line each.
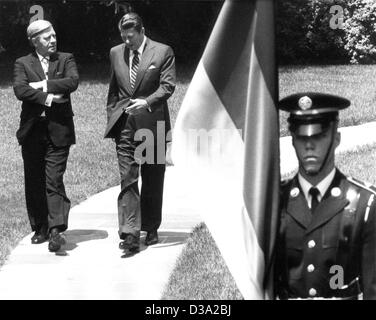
[49, 99]
[44, 85]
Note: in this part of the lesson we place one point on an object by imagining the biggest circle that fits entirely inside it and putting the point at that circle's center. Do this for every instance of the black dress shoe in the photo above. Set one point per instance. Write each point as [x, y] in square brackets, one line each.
[130, 243]
[56, 240]
[151, 238]
[39, 236]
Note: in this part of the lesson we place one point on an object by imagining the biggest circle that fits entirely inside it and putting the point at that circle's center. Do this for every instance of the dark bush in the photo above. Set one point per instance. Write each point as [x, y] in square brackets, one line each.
[304, 30]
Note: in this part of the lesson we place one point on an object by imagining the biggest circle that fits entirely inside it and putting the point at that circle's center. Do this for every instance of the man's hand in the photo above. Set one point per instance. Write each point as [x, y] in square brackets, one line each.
[37, 85]
[136, 106]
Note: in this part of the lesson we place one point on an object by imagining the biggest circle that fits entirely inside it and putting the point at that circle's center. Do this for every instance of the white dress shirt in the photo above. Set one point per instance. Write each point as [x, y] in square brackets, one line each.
[322, 186]
[44, 61]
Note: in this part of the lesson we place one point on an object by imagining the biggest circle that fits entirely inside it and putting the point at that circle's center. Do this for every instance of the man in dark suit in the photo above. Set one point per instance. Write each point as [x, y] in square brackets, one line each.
[142, 79]
[43, 81]
[327, 242]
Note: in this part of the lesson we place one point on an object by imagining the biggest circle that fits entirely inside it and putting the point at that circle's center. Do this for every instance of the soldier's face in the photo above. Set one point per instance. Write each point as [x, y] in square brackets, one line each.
[316, 153]
[132, 38]
[46, 43]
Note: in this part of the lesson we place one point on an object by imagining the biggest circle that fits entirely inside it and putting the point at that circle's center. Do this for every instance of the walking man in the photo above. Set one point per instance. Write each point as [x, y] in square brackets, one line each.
[43, 81]
[142, 79]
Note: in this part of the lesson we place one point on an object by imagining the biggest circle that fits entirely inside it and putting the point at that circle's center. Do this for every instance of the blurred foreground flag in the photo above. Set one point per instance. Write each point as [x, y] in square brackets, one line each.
[226, 141]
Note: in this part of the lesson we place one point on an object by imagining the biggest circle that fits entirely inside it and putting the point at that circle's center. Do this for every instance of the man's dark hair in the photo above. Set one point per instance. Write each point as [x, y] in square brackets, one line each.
[130, 20]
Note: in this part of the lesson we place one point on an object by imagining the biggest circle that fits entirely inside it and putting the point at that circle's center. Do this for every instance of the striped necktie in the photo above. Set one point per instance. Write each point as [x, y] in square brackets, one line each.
[135, 63]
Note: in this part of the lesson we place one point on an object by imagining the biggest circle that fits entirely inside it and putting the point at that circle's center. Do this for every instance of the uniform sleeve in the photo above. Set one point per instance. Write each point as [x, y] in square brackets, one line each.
[369, 252]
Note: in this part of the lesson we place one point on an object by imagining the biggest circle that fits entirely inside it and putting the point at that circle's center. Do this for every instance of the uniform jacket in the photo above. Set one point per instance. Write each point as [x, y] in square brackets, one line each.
[62, 79]
[341, 232]
[155, 83]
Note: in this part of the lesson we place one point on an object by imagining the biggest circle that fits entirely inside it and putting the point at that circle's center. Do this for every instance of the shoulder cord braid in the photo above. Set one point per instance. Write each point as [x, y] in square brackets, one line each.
[368, 187]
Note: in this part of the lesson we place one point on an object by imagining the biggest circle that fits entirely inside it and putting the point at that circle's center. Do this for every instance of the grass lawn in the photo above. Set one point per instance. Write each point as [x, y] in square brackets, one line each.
[92, 165]
[201, 273]
[354, 82]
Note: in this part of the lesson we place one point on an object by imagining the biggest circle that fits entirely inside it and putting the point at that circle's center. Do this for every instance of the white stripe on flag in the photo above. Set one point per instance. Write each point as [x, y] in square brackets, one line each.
[215, 176]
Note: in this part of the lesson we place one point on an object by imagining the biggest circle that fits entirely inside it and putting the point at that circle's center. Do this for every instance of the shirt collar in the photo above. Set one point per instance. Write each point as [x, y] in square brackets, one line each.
[323, 185]
[40, 57]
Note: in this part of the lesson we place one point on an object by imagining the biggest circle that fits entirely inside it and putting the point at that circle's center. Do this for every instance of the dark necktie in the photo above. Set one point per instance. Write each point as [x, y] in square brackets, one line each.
[314, 192]
[134, 69]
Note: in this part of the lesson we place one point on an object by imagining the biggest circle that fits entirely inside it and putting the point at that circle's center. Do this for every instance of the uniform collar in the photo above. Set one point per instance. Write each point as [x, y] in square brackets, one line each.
[322, 186]
[332, 203]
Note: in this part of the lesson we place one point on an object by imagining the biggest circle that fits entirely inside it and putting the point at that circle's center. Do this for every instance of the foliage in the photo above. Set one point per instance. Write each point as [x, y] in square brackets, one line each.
[304, 33]
[89, 28]
[360, 30]
[304, 30]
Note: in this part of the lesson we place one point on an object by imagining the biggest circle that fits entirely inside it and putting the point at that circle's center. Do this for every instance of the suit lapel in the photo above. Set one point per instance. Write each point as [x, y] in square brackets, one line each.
[297, 205]
[147, 55]
[37, 67]
[330, 205]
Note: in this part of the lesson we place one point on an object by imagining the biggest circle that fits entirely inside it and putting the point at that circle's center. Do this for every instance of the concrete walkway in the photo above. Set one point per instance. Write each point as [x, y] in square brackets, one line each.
[92, 267]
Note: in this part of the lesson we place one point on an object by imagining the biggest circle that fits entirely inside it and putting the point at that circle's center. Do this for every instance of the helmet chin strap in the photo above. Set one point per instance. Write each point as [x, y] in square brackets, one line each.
[327, 153]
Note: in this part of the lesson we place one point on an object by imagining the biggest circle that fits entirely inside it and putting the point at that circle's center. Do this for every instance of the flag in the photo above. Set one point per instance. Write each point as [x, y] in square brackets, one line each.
[226, 141]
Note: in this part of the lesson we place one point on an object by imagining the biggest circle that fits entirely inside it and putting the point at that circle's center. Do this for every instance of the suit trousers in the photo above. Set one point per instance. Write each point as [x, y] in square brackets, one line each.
[137, 211]
[44, 165]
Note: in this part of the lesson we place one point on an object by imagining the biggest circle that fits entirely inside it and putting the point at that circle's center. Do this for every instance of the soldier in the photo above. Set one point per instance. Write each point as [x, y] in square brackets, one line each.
[327, 236]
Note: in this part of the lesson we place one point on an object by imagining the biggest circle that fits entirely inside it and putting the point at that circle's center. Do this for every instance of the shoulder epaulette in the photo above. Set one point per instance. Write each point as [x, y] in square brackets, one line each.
[365, 185]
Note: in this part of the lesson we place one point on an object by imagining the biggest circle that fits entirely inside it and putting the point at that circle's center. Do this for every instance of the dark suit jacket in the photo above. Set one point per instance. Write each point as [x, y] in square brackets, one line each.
[341, 232]
[155, 83]
[62, 79]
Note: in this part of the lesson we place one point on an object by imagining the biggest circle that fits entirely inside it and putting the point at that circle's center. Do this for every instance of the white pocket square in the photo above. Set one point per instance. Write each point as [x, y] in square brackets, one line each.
[152, 67]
